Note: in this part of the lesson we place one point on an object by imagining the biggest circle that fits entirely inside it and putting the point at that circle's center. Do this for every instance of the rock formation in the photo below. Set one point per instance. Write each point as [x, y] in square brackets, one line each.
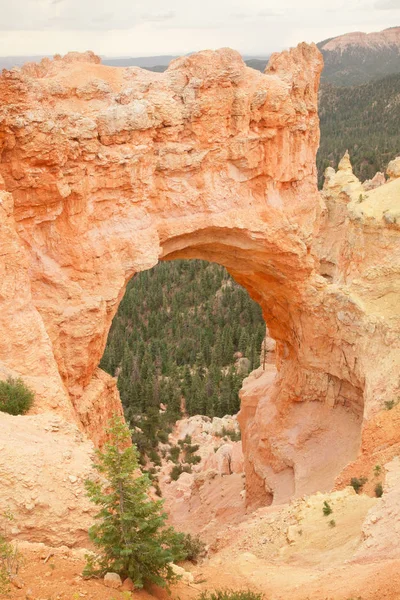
[44, 463]
[107, 171]
[212, 495]
[358, 247]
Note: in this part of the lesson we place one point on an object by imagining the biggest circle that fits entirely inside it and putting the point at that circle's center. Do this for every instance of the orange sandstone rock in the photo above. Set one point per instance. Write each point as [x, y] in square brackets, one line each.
[107, 171]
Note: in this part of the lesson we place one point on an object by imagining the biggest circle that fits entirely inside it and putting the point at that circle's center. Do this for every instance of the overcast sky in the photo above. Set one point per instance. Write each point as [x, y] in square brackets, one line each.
[149, 27]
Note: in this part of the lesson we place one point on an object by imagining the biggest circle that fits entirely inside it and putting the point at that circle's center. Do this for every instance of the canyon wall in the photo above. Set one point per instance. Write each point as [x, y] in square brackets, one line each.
[106, 171]
[358, 247]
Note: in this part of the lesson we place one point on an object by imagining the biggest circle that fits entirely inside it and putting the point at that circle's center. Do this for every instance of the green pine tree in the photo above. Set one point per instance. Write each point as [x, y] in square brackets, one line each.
[130, 531]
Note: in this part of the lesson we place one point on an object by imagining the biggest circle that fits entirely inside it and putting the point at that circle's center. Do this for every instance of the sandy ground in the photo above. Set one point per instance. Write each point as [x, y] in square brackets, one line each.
[293, 552]
[60, 579]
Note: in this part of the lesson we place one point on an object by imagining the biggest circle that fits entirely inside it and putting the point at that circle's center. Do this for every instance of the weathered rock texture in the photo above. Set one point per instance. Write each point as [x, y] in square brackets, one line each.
[106, 171]
[44, 463]
[358, 245]
[212, 496]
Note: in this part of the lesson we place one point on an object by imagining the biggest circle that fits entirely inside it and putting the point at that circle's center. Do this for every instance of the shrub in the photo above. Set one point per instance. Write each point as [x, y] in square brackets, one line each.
[154, 457]
[389, 404]
[326, 509]
[15, 397]
[130, 531]
[193, 546]
[377, 470]
[151, 474]
[157, 489]
[332, 523]
[358, 483]
[234, 436]
[231, 595]
[177, 470]
[186, 440]
[378, 490]
[191, 449]
[174, 454]
[10, 557]
[162, 436]
[193, 459]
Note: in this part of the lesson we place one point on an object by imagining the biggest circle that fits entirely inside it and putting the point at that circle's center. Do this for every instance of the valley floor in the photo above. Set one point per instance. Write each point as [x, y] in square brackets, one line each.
[291, 552]
[288, 552]
[60, 579]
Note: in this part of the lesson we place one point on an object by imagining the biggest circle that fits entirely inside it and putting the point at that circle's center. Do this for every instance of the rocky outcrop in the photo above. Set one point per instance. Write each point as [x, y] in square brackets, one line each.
[213, 493]
[111, 170]
[43, 467]
[359, 251]
[377, 180]
[106, 171]
[381, 527]
[217, 450]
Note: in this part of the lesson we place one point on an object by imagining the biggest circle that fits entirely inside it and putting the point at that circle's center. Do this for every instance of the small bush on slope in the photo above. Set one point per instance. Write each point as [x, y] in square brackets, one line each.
[15, 397]
[390, 404]
[10, 557]
[231, 595]
[235, 436]
[189, 457]
[358, 483]
[130, 531]
[194, 547]
[177, 471]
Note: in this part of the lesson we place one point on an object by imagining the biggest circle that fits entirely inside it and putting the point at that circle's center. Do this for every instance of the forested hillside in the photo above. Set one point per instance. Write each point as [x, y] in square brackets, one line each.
[365, 120]
[174, 337]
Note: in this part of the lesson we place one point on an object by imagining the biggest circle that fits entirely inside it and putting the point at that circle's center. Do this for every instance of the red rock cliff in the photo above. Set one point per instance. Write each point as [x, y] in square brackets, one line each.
[107, 170]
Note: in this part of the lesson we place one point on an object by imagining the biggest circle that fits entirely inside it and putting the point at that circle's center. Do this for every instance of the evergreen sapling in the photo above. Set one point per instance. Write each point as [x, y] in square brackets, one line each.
[130, 531]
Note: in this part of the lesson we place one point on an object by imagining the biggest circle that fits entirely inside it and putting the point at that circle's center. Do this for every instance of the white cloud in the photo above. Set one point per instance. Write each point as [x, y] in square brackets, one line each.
[143, 27]
[387, 5]
[72, 15]
[158, 17]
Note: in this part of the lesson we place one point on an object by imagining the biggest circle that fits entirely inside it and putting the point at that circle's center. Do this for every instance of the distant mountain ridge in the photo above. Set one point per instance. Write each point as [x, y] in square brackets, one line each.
[385, 38]
[356, 58]
[145, 62]
[8, 62]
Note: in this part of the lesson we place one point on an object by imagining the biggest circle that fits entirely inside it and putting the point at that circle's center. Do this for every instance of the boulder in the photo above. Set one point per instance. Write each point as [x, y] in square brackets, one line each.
[112, 580]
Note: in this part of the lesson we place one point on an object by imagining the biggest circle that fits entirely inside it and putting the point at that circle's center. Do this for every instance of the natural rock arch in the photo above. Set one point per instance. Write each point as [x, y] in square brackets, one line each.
[106, 171]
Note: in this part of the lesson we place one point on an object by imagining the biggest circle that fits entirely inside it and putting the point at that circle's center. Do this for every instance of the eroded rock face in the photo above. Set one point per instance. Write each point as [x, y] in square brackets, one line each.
[44, 463]
[359, 249]
[213, 494]
[106, 171]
